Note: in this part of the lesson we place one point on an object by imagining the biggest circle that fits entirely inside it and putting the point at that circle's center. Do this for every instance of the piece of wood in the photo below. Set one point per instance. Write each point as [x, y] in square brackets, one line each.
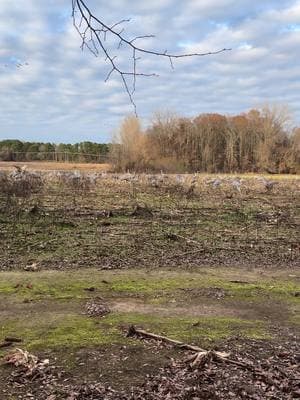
[132, 331]
[5, 344]
[199, 353]
[13, 340]
[200, 356]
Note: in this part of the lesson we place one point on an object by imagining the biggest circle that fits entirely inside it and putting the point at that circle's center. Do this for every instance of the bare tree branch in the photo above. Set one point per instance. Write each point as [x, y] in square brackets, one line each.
[94, 35]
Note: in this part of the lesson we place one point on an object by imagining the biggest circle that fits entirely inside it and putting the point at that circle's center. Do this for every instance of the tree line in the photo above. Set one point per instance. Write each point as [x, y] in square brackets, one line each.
[260, 140]
[16, 150]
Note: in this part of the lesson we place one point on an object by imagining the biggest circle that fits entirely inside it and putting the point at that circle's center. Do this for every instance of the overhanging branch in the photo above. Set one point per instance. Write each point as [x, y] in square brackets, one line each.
[94, 35]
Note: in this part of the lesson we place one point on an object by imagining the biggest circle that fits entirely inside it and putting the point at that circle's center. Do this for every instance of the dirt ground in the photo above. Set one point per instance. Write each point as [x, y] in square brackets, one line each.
[214, 267]
[210, 308]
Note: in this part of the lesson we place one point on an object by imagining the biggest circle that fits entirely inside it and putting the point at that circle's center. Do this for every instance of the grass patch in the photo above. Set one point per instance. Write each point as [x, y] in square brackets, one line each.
[280, 290]
[52, 331]
[71, 285]
[55, 331]
[54, 318]
[192, 330]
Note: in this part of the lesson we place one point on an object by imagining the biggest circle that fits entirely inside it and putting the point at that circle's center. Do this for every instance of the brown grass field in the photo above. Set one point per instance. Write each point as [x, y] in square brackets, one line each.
[54, 166]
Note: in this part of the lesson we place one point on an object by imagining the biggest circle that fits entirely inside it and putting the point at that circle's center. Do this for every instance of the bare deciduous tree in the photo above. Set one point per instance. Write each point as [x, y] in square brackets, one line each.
[257, 141]
[95, 34]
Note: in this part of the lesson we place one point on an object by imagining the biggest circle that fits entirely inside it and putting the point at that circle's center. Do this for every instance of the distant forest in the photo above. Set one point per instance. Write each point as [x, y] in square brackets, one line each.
[260, 140]
[16, 150]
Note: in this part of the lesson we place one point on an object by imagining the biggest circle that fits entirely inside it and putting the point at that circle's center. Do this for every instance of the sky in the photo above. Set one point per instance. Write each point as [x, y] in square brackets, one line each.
[59, 93]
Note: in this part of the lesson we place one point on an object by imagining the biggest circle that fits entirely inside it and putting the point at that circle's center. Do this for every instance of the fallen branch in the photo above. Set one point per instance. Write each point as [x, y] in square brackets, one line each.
[133, 332]
[9, 341]
[13, 340]
[200, 357]
[5, 344]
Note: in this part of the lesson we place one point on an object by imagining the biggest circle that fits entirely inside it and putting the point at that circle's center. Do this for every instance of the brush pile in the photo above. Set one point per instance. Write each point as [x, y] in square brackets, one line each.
[96, 307]
[27, 364]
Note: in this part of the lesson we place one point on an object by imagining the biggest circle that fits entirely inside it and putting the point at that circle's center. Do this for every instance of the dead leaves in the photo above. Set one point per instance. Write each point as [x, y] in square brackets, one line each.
[96, 307]
[208, 375]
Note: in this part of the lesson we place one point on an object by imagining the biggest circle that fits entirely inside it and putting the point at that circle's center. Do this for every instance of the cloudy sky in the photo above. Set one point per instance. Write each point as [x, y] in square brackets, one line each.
[61, 94]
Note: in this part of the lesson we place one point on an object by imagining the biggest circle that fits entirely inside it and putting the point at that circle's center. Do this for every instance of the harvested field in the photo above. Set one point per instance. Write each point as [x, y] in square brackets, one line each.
[212, 261]
[74, 220]
[53, 166]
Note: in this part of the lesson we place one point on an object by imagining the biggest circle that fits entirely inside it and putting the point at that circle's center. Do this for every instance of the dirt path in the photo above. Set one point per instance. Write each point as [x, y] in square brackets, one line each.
[235, 309]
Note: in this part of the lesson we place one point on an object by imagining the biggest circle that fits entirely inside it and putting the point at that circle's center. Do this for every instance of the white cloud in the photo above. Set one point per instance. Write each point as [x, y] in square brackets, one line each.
[61, 94]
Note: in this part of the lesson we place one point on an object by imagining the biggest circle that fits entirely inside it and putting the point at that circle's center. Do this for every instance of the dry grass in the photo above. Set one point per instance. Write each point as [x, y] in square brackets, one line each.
[54, 166]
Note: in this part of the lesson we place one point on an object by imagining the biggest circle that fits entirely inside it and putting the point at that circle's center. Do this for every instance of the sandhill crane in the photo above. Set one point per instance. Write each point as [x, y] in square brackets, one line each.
[215, 183]
[269, 185]
[236, 184]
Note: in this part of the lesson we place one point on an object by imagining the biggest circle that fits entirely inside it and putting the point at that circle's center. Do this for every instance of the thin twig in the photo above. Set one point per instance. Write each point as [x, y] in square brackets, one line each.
[94, 34]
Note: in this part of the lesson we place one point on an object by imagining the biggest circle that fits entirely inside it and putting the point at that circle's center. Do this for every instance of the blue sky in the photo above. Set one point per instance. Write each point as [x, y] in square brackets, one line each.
[61, 95]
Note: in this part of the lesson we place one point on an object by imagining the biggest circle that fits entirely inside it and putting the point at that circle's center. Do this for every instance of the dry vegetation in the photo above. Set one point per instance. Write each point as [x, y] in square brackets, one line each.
[117, 220]
[53, 166]
[210, 260]
[256, 141]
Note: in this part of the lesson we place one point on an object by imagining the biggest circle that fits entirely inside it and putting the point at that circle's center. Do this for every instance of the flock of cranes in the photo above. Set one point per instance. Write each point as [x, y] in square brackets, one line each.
[154, 180]
[16, 65]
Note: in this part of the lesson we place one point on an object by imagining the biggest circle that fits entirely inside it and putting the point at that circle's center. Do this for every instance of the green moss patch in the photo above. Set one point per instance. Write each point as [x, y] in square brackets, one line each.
[54, 331]
[73, 284]
[52, 314]
[192, 330]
